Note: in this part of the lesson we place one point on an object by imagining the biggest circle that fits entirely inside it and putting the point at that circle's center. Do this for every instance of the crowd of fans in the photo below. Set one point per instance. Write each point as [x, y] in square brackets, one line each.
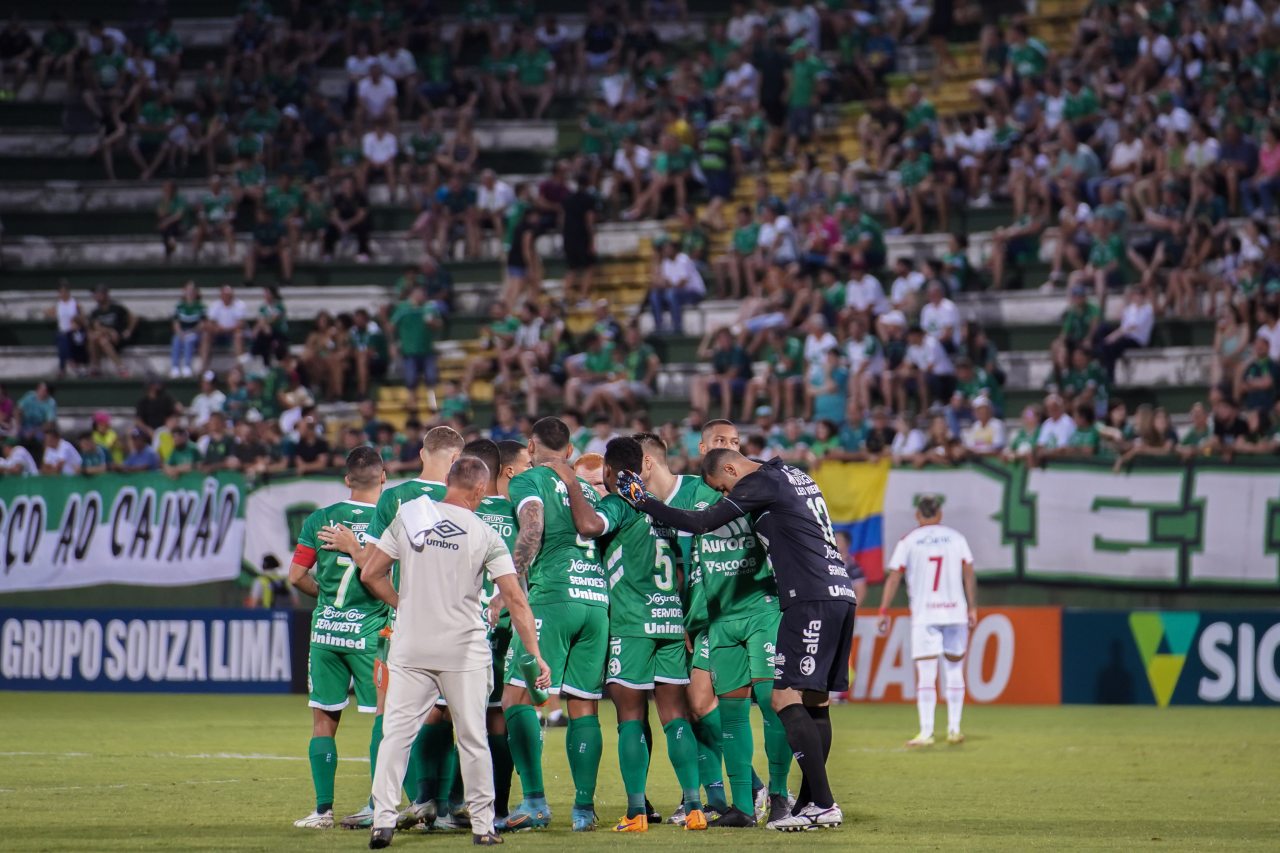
[1146, 151]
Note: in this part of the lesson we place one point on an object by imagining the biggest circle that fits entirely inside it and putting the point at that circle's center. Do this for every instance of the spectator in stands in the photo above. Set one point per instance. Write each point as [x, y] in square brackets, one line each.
[730, 373]
[155, 406]
[600, 43]
[207, 401]
[184, 456]
[311, 452]
[270, 333]
[268, 245]
[1058, 426]
[224, 326]
[111, 329]
[1259, 191]
[986, 435]
[93, 459]
[456, 216]
[1255, 379]
[579, 214]
[325, 355]
[677, 283]
[189, 318]
[65, 312]
[414, 324]
[349, 216]
[494, 197]
[141, 456]
[1135, 328]
[380, 149]
[15, 459]
[930, 371]
[36, 409]
[369, 350]
[60, 456]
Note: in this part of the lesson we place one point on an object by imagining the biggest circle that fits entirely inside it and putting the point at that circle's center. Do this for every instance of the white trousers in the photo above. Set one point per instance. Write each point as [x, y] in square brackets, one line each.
[410, 694]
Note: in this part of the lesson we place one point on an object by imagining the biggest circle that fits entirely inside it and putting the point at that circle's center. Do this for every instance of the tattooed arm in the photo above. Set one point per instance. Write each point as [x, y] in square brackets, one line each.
[529, 539]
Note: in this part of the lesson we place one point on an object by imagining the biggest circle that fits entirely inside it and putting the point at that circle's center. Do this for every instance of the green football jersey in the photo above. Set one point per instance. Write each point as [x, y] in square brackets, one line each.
[733, 568]
[497, 512]
[567, 568]
[389, 504]
[347, 616]
[689, 494]
[640, 564]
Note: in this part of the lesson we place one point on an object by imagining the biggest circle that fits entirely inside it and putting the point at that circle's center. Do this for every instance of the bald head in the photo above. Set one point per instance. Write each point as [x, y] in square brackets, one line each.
[723, 468]
[468, 482]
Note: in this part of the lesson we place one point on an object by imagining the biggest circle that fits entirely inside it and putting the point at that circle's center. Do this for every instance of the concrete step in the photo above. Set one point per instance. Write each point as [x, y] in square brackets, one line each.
[32, 252]
[514, 135]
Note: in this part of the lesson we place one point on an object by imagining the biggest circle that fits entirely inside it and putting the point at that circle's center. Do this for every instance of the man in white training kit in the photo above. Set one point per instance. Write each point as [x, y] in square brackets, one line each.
[943, 593]
[440, 646]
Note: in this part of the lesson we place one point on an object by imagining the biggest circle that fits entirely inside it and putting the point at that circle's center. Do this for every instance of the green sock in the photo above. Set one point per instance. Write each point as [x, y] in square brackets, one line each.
[756, 782]
[633, 759]
[776, 748]
[735, 718]
[524, 736]
[448, 768]
[433, 748]
[375, 740]
[710, 758]
[500, 752]
[584, 744]
[682, 750]
[413, 771]
[323, 752]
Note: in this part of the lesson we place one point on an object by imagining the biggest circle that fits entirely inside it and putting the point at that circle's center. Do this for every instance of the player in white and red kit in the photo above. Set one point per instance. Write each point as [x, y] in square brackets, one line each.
[943, 594]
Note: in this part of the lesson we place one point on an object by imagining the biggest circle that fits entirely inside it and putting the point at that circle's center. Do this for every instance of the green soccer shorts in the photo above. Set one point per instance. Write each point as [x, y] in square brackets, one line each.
[331, 673]
[701, 657]
[640, 662]
[574, 640]
[499, 642]
[742, 650]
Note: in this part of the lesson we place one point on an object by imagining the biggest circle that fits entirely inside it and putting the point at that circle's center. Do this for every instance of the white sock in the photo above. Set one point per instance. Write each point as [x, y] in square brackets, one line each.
[953, 677]
[926, 693]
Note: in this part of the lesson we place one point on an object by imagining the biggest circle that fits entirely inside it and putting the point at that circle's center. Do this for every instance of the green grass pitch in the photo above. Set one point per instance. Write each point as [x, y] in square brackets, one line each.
[91, 772]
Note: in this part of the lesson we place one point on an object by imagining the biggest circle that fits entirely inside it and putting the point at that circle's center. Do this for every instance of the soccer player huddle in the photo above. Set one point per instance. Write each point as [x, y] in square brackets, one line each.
[702, 594]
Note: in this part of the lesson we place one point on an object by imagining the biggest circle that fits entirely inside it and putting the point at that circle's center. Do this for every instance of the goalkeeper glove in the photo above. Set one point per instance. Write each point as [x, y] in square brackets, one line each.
[631, 487]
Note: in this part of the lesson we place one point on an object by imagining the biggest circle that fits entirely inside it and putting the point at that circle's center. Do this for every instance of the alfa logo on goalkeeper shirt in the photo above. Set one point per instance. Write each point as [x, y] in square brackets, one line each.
[1163, 640]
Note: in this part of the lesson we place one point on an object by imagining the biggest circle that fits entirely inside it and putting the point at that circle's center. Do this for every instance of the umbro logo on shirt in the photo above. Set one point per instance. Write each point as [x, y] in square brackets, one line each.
[437, 536]
[446, 529]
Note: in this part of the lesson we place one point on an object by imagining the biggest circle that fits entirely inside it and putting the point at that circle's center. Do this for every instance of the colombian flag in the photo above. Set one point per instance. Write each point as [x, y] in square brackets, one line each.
[854, 492]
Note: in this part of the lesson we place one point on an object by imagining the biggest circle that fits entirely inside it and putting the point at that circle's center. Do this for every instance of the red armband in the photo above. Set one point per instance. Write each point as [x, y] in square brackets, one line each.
[304, 555]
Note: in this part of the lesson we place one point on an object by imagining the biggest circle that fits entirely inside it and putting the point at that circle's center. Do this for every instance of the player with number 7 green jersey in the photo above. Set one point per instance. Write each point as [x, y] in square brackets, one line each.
[347, 618]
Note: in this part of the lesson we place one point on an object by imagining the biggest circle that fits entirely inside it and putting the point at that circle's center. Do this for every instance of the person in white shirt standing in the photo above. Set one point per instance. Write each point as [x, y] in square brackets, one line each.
[440, 646]
[65, 311]
[943, 593]
[376, 97]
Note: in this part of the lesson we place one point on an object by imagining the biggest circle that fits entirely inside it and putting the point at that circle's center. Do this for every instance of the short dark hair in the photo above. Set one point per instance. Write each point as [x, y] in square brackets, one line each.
[715, 422]
[1086, 413]
[486, 450]
[509, 451]
[651, 443]
[442, 438]
[468, 472]
[624, 454]
[716, 459]
[551, 433]
[929, 506]
[364, 466]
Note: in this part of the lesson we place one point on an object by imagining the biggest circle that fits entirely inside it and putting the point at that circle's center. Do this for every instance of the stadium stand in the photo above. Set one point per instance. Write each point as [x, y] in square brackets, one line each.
[925, 193]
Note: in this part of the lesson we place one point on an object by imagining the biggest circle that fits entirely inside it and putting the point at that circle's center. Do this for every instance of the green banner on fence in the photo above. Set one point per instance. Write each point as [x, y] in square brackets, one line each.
[146, 529]
[1192, 526]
